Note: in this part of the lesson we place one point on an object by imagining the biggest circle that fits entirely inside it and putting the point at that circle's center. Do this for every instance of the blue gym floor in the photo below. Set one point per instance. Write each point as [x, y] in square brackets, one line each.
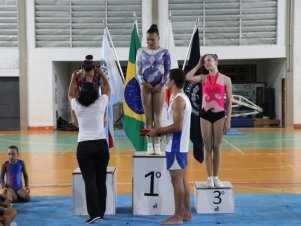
[250, 209]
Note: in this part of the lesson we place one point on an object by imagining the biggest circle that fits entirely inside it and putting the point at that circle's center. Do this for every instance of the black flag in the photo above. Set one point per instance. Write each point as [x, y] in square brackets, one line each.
[194, 93]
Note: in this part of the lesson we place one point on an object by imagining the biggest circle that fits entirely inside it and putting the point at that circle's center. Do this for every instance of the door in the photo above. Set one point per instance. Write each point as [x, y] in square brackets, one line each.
[9, 103]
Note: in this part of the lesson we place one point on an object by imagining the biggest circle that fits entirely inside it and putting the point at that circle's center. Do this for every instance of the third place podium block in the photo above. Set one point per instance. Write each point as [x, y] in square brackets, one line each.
[214, 200]
[152, 188]
[79, 194]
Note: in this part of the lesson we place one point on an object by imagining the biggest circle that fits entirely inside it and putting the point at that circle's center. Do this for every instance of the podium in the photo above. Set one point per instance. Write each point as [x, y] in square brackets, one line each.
[79, 194]
[214, 200]
[152, 188]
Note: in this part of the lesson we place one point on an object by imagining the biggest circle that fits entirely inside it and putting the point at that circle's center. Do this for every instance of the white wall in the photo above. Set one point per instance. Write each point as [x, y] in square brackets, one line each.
[297, 63]
[9, 62]
[40, 64]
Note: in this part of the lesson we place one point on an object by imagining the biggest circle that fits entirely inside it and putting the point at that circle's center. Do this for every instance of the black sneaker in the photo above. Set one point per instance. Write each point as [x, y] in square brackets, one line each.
[92, 219]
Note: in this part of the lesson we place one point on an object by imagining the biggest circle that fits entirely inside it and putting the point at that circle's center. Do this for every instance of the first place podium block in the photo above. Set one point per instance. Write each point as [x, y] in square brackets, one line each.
[152, 188]
[214, 200]
[79, 194]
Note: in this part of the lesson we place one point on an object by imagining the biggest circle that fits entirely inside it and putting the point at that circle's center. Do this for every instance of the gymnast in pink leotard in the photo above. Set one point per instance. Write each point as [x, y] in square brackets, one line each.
[213, 112]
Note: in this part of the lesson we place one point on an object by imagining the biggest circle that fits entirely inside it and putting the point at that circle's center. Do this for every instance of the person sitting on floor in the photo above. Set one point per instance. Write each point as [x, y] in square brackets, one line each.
[13, 168]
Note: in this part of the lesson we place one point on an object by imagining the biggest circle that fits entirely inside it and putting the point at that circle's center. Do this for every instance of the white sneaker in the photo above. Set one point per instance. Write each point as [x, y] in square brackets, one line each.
[158, 149]
[150, 149]
[210, 184]
[217, 183]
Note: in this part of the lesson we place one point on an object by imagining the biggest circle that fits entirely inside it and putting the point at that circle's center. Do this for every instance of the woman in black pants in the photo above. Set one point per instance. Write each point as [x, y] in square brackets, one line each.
[88, 110]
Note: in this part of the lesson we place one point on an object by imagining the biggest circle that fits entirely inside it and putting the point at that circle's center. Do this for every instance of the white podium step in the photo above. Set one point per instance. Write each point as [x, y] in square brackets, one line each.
[79, 194]
[152, 188]
[214, 200]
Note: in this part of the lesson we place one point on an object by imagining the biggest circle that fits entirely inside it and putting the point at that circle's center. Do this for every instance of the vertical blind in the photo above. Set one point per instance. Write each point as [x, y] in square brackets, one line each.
[80, 23]
[225, 22]
[8, 23]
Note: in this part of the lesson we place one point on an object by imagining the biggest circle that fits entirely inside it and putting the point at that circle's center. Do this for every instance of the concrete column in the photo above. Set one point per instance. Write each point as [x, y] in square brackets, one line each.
[290, 103]
[146, 18]
[21, 9]
[162, 19]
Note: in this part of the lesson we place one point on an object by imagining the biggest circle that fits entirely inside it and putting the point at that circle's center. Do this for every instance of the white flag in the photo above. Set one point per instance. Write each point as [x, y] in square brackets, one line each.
[110, 69]
[109, 66]
[170, 45]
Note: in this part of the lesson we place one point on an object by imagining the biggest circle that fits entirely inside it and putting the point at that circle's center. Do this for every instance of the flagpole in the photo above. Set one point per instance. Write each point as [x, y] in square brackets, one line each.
[169, 19]
[118, 64]
[135, 21]
[189, 46]
[169, 16]
[106, 13]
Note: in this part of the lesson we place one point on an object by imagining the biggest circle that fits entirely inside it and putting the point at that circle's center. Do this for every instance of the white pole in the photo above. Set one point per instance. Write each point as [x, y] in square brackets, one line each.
[147, 18]
[189, 46]
[106, 14]
[163, 18]
[118, 64]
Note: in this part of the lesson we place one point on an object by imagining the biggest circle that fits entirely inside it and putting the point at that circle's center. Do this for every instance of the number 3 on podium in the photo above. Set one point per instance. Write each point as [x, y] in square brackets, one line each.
[218, 197]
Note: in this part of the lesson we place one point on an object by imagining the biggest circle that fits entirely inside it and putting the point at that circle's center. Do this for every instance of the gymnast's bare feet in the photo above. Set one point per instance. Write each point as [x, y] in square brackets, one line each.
[172, 220]
[187, 216]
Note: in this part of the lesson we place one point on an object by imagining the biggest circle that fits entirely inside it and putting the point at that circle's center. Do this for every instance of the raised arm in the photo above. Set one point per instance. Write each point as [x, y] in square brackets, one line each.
[72, 94]
[105, 88]
[191, 77]
[73, 85]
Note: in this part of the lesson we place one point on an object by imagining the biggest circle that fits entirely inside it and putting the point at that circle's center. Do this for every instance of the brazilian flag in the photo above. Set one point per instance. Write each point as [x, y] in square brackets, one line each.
[134, 118]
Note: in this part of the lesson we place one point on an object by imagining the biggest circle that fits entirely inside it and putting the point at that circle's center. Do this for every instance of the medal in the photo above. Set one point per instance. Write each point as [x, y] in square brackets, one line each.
[212, 84]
